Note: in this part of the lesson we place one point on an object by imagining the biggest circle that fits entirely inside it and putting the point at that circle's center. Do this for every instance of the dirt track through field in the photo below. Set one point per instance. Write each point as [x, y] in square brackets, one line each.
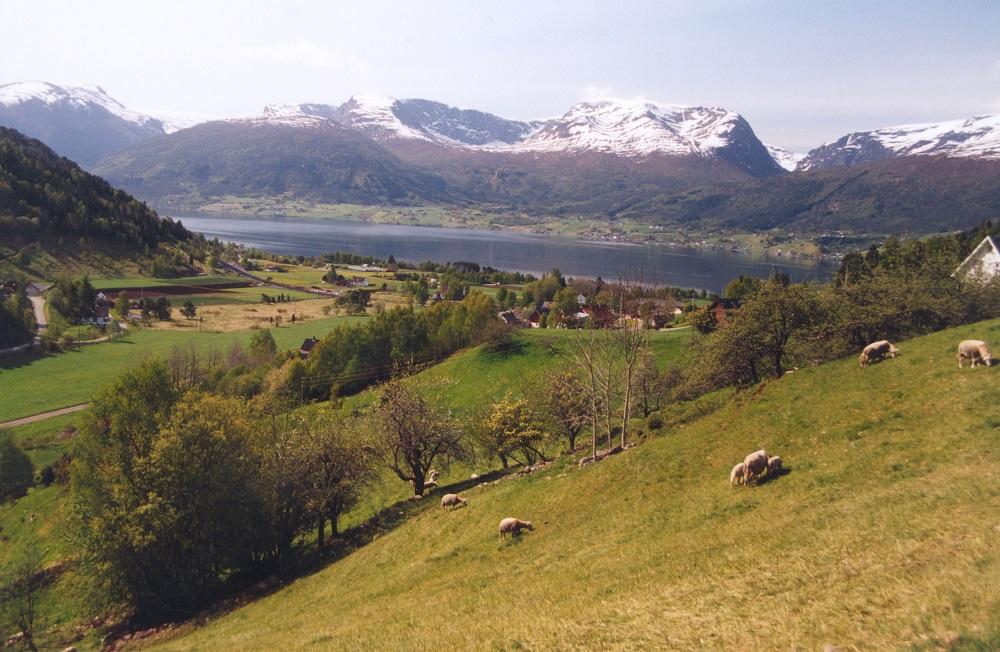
[44, 415]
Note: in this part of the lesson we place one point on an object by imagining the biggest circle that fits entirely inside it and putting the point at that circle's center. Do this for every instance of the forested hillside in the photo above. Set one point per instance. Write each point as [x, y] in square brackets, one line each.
[45, 195]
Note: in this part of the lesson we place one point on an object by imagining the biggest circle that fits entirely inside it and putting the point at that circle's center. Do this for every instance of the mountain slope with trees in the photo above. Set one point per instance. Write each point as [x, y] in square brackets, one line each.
[45, 195]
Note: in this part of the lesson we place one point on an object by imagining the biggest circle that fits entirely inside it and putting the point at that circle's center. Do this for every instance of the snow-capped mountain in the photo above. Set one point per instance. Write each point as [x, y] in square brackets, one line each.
[385, 118]
[976, 137]
[626, 129]
[82, 123]
[786, 159]
[637, 129]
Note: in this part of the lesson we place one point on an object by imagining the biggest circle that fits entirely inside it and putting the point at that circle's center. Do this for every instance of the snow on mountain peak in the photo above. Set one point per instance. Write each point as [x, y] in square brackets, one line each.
[77, 97]
[635, 128]
[374, 115]
[975, 137]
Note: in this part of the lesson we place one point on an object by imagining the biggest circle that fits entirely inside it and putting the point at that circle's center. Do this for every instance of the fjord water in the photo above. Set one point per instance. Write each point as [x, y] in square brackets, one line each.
[699, 268]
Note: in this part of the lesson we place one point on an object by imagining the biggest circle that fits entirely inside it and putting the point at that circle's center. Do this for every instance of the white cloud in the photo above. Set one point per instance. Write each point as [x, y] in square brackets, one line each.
[304, 53]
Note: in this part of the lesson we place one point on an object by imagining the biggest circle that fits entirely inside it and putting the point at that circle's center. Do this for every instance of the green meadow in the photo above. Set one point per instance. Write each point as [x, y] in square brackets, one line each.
[882, 535]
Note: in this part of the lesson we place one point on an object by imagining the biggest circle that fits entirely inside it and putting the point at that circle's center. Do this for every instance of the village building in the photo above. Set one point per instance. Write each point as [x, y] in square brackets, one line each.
[721, 309]
[510, 318]
[983, 264]
[307, 346]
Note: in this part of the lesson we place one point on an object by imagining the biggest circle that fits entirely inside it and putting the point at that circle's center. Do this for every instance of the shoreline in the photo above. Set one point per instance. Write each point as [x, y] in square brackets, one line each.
[730, 241]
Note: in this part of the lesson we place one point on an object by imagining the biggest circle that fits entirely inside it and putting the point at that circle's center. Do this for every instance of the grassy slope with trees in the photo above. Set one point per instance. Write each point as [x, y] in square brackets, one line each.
[880, 536]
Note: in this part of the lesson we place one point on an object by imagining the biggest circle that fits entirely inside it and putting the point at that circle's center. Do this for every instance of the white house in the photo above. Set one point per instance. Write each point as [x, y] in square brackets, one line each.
[983, 263]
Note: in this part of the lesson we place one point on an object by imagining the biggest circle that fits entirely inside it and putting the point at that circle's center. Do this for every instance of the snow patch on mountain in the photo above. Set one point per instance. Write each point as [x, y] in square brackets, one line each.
[786, 159]
[976, 137]
[374, 115]
[77, 97]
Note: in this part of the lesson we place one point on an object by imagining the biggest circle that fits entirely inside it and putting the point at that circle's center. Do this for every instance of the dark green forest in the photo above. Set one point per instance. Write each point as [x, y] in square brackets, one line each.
[43, 194]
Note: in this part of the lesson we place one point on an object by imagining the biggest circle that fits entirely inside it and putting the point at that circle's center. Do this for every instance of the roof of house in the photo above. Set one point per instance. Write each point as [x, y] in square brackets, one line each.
[508, 317]
[988, 243]
[308, 344]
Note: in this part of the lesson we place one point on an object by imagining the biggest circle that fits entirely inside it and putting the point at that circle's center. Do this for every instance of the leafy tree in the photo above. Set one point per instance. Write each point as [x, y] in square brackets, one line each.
[509, 430]
[741, 288]
[262, 345]
[411, 434]
[122, 305]
[16, 471]
[337, 468]
[189, 310]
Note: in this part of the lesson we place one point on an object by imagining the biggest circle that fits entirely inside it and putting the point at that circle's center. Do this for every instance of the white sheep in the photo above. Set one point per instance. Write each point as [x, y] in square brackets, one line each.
[877, 351]
[452, 500]
[513, 526]
[736, 475]
[774, 466]
[754, 464]
[974, 350]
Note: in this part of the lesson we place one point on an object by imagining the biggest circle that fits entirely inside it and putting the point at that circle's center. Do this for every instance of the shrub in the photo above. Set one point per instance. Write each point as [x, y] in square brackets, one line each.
[16, 472]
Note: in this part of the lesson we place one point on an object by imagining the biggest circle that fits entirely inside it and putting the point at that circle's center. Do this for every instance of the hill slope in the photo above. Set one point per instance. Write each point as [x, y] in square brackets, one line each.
[292, 155]
[42, 194]
[881, 536]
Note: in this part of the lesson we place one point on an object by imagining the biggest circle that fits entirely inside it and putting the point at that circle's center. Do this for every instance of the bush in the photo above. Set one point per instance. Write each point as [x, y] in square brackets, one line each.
[16, 472]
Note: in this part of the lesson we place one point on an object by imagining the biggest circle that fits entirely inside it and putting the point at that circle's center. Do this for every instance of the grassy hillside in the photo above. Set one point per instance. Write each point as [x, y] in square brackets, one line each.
[883, 535]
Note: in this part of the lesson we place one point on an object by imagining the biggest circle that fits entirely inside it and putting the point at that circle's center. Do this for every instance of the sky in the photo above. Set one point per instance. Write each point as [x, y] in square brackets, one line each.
[802, 72]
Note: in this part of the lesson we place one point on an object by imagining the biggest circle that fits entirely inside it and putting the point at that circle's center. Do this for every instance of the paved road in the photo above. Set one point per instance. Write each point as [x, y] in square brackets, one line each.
[38, 303]
[44, 415]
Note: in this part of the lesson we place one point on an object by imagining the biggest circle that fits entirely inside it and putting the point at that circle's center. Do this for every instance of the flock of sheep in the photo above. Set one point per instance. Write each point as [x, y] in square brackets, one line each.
[758, 464]
[975, 351]
[509, 526]
[755, 466]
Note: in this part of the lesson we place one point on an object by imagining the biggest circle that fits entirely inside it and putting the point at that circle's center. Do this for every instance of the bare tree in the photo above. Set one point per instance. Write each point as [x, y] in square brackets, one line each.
[20, 594]
[565, 399]
[411, 434]
[586, 357]
[631, 343]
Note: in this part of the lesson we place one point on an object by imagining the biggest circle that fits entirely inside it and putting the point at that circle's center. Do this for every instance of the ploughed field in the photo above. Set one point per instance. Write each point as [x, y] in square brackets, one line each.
[882, 535]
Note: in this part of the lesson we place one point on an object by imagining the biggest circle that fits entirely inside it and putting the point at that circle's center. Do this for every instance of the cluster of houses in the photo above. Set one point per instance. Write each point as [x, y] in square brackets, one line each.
[353, 282]
[663, 311]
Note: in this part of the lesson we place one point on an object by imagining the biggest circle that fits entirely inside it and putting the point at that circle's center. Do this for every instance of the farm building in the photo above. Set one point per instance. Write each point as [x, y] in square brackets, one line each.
[983, 264]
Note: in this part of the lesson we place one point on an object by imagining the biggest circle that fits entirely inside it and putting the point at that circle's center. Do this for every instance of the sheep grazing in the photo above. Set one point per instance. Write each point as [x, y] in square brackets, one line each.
[513, 526]
[774, 466]
[736, 475]
[975, 351]
[754, 465]
[877, 351]
[452, 500]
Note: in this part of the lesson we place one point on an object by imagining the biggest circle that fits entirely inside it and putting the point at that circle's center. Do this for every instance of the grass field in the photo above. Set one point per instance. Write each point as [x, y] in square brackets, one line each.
[882, 535]
[136, 281]
[30, 385]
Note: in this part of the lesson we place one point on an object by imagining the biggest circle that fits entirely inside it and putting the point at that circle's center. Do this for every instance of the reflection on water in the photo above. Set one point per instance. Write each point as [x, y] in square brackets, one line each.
[682, 267]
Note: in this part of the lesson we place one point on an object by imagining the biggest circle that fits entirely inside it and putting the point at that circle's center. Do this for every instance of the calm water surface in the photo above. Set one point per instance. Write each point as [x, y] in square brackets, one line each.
[682, 267]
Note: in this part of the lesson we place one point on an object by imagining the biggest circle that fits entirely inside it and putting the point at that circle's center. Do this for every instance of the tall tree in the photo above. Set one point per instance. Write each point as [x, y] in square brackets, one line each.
[412, 434]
